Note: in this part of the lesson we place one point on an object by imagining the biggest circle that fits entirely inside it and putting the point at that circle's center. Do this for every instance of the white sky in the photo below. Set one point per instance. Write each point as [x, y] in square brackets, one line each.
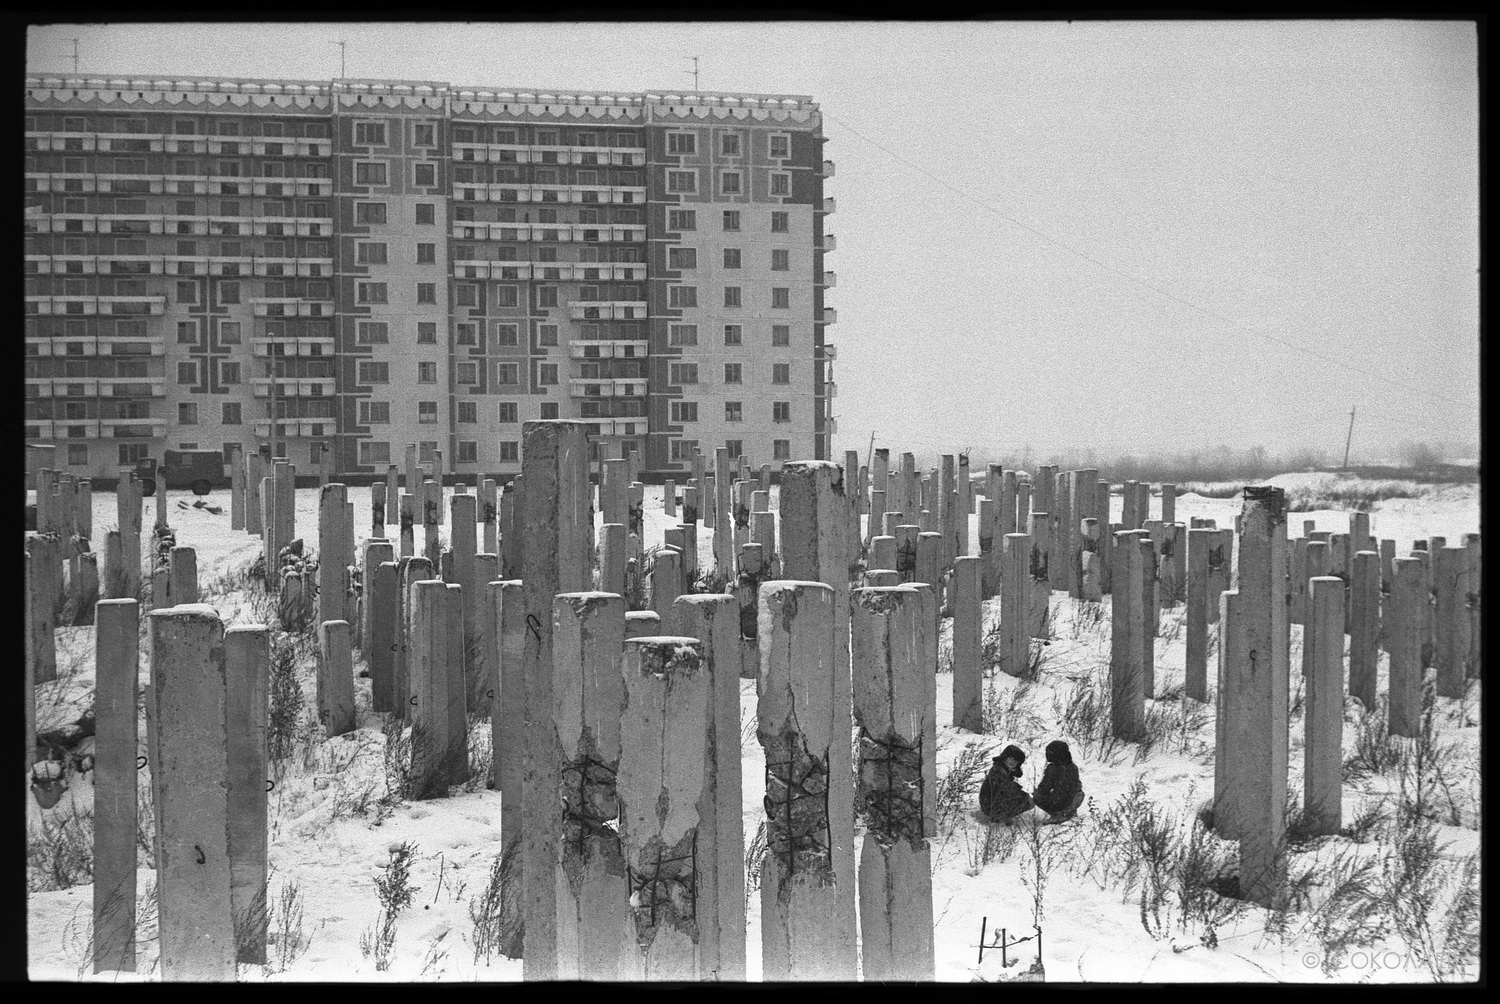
[1314, 182]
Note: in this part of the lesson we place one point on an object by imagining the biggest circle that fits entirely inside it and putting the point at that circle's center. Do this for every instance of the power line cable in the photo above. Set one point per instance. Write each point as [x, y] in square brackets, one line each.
[1131, 278]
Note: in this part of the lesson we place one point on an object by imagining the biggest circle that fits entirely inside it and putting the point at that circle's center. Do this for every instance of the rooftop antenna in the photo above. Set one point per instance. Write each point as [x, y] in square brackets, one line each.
[693, 71]
[342, 45]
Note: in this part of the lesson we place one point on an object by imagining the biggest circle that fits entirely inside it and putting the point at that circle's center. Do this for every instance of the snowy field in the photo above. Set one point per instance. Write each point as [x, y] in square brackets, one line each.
[332, 832]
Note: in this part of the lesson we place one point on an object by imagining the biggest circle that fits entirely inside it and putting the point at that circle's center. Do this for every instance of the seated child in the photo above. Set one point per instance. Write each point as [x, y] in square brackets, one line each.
[1000, 798]
[1060, 792]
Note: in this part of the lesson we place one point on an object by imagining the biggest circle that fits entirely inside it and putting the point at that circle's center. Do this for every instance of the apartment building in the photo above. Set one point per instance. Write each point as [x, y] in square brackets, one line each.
[371, 264]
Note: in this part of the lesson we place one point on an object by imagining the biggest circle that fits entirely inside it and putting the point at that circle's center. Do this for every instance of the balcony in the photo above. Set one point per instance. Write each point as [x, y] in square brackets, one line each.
[830, 280]
[38, 387]
[515, 153]
[608, 349]
[830, 316]
[622, 427]
[308, 347]
[132, 304]
[38, 430]
[829, 352]
[291, 306]
[829, 243]
[39, 347]
[113, 346]
[134, 388]
[293, 427]
[75, 387]
[70, 142]
[607, 310]
[133, 428]
[261, 387]
[83, 428]
[827, 168]
[129, 184]
[829, 205]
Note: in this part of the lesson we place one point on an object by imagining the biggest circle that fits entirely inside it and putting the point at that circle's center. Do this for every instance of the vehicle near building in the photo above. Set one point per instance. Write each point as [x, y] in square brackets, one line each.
[200, 470]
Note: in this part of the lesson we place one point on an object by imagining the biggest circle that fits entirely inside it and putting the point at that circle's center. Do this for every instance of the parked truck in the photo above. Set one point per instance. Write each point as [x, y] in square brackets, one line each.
[200, 470]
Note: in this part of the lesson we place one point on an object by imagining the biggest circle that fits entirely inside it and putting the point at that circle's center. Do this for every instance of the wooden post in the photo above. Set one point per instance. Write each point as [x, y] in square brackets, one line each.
[1015, 604]
[968, 646]
[1323, 721]
[1364, 627]
[507, 612]
[1129, 674]
[427, 659]
[115, 693]
[1451, 637]
[1229, 766]
[1404, 617]
[335, 679]
[247, 670]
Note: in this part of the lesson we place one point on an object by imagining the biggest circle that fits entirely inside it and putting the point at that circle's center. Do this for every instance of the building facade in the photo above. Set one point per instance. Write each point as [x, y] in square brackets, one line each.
[371, 264]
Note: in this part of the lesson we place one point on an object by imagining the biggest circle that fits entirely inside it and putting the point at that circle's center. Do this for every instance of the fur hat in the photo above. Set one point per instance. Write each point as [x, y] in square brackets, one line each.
[1014, 751]
[1058, 752]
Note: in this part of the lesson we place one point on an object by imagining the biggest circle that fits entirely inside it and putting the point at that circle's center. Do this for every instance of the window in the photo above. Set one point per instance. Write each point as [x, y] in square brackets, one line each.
[426, 254]
[426, 372]
[427, 292]
[187, 292]
[682, 296]
[230, 413]
[734, 411]
[680, 373]
[682, 143]
[509, 412]
[736, 447]
[374, 413]
[370, 372]
[424, 175]
[370, 254]
[732, 373]
[781, 184]
[682, 219]
[229, 332]
[781, 411]
[781, 145]
[131, 452]
[781, 296]
[427, 412]
[549, 410]
[781, 372]
[467, 373]
[682, 181]
[781, 334]
[229, 373]
[781, 261]
[780, 221]
[682, 334]
[369, 212]
[508, 374]
[187, 332]
[369, 133]
[468, 412]
[729, 144]
[187, 413]
[546, 296]
[468, 452]
[683, 449]
[781, 449]
[466, 334]
[78, 455]
[732, 219]
[507, 334]
[732, 296]
[508, 296]
[423, 134]
[374, 453]
[373, 333]
[187, 373]
[731, 257]
[733, 335]
[546, 335]
[369, 173]
[508, 451]
[426, 213]
[546, 374]
[684, 411]
[729, 184]
[370, 292]
[678, 258]
[426, 332]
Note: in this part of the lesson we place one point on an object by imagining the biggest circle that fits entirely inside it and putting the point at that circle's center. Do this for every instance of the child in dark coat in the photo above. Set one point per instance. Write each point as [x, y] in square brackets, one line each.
[1000, 797]
[1060, 792]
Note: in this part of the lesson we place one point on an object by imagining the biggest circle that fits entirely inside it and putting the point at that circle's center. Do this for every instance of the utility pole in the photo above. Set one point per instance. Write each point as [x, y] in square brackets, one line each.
[693, 71]
[75, 57]
[342, 46]
[1349, 439]
[870, 454]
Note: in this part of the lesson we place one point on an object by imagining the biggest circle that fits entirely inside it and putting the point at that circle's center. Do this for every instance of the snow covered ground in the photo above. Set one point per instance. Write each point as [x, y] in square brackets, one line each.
[331, 835]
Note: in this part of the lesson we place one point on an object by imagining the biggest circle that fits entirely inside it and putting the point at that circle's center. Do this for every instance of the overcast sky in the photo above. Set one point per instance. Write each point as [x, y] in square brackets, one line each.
[1145, 237]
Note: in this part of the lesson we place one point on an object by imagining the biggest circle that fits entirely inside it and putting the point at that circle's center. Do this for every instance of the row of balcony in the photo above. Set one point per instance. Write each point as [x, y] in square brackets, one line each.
[183, 265]
[549, 271]
[323, 387]
[480, 231]
[297, 427]
[199, 226]
[513, 153]
[618, 427]
[90, 305]
[607, 388]
[286, 347]
[607, 349]
[607, 310]
[122, 428]
[174, 184]
[95, 346]
[618, 195]
[122, 142]
[96, 387]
